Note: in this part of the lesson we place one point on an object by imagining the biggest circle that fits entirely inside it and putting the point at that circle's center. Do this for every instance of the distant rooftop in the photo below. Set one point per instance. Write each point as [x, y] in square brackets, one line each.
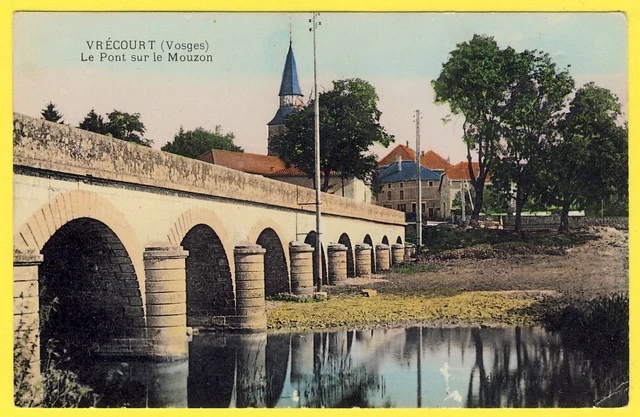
[429, 159]
[406, 173]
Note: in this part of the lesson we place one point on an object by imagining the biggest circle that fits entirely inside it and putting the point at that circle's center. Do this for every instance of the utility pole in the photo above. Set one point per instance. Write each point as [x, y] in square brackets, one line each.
[316, 110]
[419, 185]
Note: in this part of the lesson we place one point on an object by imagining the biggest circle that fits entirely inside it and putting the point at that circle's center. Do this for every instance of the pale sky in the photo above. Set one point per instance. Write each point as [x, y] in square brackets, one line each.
[399, 54]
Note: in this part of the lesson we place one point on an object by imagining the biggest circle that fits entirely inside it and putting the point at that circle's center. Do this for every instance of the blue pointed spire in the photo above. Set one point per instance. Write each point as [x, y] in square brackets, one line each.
[289, 85]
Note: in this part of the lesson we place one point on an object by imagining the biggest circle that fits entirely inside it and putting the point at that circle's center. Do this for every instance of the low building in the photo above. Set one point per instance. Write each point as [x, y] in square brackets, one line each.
[397, 189]
[275, 168]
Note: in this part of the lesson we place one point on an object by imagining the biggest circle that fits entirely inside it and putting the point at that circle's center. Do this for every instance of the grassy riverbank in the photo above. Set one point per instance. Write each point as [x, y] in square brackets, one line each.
[478, 278]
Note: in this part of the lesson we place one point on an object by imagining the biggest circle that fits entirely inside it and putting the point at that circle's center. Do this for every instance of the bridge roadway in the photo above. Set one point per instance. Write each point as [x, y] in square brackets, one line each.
[135, 245]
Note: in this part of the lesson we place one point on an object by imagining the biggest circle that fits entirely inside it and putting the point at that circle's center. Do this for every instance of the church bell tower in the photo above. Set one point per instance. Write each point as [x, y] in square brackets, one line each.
[290, 100]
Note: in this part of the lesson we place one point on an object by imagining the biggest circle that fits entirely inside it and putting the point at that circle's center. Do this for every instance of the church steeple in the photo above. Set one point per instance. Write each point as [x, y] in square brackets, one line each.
[289, 85]
[290, 98]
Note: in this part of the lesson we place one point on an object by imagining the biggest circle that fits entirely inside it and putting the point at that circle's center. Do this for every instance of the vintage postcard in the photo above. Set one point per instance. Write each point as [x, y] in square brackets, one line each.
[320, 210]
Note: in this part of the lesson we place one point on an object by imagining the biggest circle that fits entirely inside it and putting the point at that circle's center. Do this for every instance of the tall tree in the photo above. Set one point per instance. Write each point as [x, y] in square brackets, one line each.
[475, 82]
[349, 126]
[51, 114]
[529, 122]
[588, 164]
[193, 143]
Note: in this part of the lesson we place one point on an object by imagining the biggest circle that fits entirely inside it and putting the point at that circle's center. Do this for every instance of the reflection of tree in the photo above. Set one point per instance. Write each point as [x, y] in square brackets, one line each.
[335, 381]
[546, 374]
[277, 359]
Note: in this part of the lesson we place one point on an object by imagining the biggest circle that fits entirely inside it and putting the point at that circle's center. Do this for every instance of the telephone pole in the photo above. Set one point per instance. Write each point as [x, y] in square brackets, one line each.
[419, 185]
[316, 111]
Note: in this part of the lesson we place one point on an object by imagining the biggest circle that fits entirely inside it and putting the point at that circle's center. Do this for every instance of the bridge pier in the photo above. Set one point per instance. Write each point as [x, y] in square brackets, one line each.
[397, 253]
[166, 297]
[301, 268]
[26, 323]
[409, 250]
[363, 260]
[382, 257]
[250, 305]
[337, 255]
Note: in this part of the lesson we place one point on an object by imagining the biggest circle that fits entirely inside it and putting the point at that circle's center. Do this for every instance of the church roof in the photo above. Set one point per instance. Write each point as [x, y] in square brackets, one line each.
[289, 85]
[281, 115]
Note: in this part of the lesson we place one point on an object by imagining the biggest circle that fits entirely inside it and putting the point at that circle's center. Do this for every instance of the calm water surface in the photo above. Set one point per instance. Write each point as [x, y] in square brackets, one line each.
[412, 367]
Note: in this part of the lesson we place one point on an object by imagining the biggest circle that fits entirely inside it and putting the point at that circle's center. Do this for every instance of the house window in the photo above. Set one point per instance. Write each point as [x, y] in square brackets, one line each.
[386, 206]
[413, 207]
[402, 207]
[424, 207]
[430, 183]
[401, 193]
[389, 185]
[389, 194]
[401, 184]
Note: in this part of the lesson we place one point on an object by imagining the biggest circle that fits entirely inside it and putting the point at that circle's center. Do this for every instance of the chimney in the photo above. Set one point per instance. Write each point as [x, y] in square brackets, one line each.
[422, 153]
[407, 144]
[399, 163]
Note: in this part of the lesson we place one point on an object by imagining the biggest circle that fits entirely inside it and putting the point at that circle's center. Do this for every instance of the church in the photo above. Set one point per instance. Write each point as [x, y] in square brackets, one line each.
[270, 165]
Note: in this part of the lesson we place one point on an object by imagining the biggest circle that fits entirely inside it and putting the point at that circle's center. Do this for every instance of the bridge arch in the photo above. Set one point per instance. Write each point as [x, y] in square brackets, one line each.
[89, 291]
[367, 239]
[346, 241]
[276, 258]
[208, 267]
[399, 240]
[385, 240]
[77, 204]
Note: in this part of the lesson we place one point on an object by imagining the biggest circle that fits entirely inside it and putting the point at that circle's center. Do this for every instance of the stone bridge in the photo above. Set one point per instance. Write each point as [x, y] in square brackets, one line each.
[132, 245]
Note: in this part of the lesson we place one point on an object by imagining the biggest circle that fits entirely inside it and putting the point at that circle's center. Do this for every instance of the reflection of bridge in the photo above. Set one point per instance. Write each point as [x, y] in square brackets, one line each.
[137, 244]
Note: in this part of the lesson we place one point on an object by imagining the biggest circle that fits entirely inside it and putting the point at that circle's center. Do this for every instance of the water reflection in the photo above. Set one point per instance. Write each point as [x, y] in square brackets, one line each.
[413, 367]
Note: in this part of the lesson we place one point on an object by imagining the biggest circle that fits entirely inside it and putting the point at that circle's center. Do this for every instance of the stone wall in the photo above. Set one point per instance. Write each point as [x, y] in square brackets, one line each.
[553, 221]
[64, 149]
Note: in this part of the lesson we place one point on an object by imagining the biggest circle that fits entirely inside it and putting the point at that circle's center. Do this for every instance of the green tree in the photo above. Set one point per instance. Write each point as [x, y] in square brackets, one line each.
[475, 82]
[120, 125]
[94, 123]
[126, 126]
[193, 143]
[588, 164]
[51, 114]
[349, 126]
[529, 122]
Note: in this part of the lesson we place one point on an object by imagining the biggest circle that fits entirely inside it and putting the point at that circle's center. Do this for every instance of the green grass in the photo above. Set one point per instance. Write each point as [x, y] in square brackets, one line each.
[413, 268]
[356, 311]
[438, 239]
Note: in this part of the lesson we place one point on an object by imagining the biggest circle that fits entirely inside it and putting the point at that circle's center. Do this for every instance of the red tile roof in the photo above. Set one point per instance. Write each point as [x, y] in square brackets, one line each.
[434, 161]
[405, 152]
[245, 162]
[292, 171]
[460, 171]
[429, 159]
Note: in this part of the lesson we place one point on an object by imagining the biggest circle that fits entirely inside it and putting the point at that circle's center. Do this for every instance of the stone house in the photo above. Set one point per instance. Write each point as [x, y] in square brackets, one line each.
[397, 189]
